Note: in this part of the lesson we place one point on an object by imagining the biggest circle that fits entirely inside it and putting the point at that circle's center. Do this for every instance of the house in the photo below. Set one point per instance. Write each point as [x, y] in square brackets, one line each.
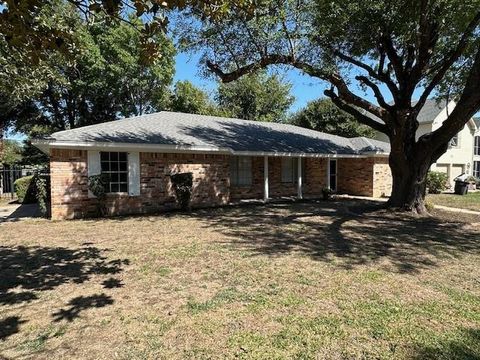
[230, 159]
[458, 159]
[476, 150]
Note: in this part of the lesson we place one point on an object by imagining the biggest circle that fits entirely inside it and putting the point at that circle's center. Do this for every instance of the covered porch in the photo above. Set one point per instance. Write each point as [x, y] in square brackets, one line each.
[272, 177]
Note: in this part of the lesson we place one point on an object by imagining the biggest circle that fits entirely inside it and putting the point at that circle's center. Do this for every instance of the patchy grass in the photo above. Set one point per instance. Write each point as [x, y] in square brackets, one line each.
[302, 281]
[470, 201]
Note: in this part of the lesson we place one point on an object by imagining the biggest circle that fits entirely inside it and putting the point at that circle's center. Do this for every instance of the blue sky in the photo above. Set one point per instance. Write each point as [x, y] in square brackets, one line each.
[304, 88]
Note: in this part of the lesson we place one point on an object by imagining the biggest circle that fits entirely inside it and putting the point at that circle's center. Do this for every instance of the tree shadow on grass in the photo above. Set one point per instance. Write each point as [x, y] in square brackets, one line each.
[9, 326]
[81, 303]
[350, 232]
[464, 345]
[34, 269]
[26, 271]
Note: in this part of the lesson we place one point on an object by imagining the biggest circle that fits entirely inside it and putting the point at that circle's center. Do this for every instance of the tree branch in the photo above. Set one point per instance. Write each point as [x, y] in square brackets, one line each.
[376, 91]
[380, 75]
[467, 106]
[278, 59]
[362, 118]
[445, 64]
[395, 59]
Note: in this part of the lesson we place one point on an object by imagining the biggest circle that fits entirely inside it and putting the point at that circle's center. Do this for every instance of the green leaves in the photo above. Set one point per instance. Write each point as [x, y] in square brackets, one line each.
[104, 78]
[323, 115]
[257, 96]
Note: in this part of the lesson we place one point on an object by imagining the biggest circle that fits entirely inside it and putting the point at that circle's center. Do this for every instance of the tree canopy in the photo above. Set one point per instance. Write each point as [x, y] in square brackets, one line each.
[323, 115]
[105, 80]
[258, 96]
[390, 49]
[188, 98]
[10, 152]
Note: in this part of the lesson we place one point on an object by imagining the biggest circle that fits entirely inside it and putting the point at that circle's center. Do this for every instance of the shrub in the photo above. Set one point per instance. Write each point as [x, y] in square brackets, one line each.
[42, 191]
[437, 182]
[183, 184]
[25, 190]
[97, 184]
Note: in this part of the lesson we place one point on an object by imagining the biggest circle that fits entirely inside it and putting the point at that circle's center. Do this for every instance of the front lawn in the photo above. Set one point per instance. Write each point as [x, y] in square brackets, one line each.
[336, 280]
[470, 201]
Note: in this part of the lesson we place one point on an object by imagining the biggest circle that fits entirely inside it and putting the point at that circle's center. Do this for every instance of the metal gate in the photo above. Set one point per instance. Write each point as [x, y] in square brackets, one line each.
[8, 175]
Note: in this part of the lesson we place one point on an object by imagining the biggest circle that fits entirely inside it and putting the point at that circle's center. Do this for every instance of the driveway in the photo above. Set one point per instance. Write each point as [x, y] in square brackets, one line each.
[16, 212]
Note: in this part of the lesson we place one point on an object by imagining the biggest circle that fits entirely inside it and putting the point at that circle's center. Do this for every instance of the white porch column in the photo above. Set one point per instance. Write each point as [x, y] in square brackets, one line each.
[265, 178]
[299, 180]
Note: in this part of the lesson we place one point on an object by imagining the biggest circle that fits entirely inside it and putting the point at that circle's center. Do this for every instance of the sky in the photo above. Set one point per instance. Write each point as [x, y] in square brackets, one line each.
[304, 88]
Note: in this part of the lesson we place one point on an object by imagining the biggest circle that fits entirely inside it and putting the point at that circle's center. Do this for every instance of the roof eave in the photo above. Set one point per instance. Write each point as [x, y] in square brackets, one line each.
[46, 144]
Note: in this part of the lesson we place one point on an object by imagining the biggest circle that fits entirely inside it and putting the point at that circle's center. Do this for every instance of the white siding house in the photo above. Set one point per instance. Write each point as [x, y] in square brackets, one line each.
[476, 150]
[459, 158]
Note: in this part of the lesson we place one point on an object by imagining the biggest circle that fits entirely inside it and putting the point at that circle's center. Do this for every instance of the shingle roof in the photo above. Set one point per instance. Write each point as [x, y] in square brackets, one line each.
[180, 129]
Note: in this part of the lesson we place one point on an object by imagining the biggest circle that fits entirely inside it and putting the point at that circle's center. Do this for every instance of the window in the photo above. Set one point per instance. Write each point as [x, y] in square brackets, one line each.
[115, 166]
[476, 169]
[241, 171]
[290, 170]
[477, 145]
[332, 174]
[454, 141]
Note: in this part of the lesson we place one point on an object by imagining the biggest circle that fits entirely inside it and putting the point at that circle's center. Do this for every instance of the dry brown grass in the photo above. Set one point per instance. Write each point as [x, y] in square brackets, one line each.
[306, 280]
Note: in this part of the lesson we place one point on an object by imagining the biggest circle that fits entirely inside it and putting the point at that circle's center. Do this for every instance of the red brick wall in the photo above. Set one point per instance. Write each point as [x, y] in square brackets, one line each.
[211, 184]
[70, 183]
[364, 176]
[316, 176]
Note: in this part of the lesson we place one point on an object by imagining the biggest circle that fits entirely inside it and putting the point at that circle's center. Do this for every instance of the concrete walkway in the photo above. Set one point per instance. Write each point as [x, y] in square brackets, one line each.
[17, 212]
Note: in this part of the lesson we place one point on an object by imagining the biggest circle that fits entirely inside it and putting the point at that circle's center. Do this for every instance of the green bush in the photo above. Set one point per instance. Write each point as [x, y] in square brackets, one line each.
[25, 190]
[97, 184]
[41, 192]
[183, 185]
[437, 182]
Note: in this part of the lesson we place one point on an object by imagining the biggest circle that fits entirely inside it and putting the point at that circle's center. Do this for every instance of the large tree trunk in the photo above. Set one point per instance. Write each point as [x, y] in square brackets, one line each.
[409, 162]
[409, 185]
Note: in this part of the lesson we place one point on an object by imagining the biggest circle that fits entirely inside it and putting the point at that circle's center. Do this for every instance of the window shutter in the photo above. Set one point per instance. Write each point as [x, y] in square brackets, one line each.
[134, 173]
[93, 166]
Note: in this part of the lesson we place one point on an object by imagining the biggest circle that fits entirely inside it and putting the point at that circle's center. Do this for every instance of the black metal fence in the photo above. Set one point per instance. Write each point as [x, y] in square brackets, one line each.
[8, 175]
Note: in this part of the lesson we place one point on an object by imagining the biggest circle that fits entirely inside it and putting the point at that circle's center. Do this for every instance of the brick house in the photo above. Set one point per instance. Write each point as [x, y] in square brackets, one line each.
[231, 160]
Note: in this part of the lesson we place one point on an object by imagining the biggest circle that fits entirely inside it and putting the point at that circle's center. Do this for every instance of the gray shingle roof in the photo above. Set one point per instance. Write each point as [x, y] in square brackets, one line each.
[170, 128]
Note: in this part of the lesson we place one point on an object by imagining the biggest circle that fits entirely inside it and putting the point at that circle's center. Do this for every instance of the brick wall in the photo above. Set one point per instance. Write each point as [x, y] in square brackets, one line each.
[315, 176]
[69, 178]
[382, 178]
[364, 176]
[211, 181]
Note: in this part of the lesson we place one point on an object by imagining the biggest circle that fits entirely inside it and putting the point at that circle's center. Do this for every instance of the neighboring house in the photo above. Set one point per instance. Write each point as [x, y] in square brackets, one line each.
[230, 159]
[476, 150]
[458, 158]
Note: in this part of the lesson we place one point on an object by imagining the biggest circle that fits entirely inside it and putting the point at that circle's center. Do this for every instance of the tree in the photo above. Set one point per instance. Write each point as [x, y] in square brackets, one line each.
[323, 115]
[11, 153]
[32, 27]
[256, 96]
[105, 80]
[392, 49]
[188, 98]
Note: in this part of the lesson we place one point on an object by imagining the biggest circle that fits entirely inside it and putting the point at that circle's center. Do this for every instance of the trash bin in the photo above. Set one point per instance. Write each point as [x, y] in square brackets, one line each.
[461, 185]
